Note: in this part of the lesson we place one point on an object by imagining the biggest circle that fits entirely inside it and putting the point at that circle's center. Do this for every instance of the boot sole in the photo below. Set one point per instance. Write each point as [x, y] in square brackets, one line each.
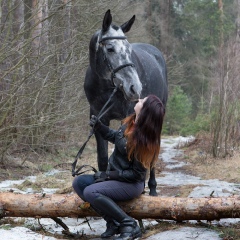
[135, 237]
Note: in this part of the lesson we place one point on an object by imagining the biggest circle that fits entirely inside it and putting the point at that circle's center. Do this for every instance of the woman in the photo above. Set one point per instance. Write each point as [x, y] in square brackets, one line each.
[137, 146]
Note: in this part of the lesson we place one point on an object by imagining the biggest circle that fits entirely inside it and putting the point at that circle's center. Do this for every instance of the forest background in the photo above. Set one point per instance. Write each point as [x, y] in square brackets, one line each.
[44, 55]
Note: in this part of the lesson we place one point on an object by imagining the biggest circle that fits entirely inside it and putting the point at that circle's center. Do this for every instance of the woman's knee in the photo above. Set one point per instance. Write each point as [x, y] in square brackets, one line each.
[90, 193]
[81, 182]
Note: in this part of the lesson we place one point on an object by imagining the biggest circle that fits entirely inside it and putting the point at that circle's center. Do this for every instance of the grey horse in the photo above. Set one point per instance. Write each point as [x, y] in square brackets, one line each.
[137, 69]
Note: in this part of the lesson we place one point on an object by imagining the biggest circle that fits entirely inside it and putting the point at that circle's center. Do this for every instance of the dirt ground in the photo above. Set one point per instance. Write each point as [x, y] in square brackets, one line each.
[201, 162]
[20, 165]
[201, 165]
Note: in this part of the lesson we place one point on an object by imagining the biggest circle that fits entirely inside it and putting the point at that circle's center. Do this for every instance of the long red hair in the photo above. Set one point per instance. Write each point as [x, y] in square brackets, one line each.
[144, 135]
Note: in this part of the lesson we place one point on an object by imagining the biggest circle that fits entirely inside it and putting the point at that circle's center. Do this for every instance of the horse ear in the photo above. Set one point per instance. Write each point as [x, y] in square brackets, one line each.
[127, 25]
[107, 20]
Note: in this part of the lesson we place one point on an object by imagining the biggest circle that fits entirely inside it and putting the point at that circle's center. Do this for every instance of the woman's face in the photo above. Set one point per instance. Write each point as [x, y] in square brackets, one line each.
[139, 105]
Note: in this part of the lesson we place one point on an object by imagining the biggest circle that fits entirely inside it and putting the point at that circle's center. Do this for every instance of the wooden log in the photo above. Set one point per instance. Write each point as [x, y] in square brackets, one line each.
[144, 207]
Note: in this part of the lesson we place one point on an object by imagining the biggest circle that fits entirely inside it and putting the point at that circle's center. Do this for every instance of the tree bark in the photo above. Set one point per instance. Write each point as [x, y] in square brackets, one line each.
[144, 207]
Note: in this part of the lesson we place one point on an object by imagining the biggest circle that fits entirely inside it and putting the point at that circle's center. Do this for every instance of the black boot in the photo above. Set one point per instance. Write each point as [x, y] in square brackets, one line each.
[113, 227]
[129, 230]
[128, 226]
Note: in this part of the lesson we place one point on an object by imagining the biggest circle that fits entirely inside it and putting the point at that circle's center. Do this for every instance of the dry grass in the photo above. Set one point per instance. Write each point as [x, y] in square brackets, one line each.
[227, 169]
[202, 164]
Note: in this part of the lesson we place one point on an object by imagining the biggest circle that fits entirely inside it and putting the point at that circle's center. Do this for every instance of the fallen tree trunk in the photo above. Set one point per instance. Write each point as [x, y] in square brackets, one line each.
[70, 205]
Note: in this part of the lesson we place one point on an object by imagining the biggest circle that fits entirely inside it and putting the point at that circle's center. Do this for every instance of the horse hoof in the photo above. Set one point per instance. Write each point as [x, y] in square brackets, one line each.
[153, 193]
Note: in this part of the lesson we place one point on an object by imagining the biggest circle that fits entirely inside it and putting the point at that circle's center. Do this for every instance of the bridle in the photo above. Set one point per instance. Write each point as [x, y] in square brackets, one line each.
[110, 67]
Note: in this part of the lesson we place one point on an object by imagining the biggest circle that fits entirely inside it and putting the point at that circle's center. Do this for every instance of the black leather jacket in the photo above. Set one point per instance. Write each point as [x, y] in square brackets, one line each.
[118, 163]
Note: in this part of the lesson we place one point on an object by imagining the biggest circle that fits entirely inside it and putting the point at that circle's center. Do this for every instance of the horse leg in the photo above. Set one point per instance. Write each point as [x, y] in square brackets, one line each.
[152, 184]
[102, 152]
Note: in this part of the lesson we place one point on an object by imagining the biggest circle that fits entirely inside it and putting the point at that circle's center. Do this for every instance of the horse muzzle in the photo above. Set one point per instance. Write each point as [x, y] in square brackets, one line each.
[130, 94]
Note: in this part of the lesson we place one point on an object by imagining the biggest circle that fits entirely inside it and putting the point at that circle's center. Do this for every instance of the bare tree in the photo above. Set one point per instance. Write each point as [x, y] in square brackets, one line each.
[225, 127]
[43, 59]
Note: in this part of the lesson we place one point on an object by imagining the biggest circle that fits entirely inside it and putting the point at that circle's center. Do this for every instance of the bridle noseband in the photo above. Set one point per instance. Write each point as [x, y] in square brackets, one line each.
[111, 69]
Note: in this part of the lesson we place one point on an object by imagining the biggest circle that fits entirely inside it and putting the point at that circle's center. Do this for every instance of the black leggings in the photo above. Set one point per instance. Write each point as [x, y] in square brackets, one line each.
[87, 190]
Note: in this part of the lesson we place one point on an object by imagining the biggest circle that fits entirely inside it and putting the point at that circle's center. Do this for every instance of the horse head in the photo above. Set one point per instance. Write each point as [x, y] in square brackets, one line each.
[110, 57]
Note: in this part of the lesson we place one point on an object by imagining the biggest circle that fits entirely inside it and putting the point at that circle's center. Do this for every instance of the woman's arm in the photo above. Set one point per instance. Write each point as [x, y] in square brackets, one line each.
[106, 132]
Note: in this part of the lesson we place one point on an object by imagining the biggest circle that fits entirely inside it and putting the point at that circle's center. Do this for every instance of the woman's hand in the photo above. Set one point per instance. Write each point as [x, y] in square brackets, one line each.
[100, 176]
[104, 176]
[95, 122]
